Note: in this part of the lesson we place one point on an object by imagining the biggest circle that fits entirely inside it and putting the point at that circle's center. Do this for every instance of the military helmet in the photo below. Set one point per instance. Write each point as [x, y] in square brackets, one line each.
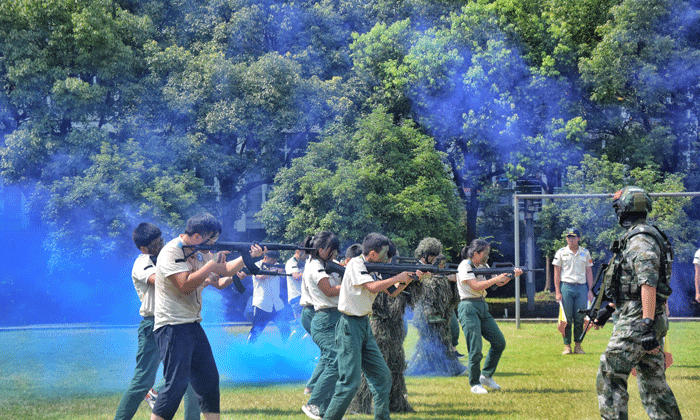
[631, 201]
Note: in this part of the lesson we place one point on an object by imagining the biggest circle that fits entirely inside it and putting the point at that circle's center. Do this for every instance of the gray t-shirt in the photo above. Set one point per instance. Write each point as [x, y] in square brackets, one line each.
[172, 306]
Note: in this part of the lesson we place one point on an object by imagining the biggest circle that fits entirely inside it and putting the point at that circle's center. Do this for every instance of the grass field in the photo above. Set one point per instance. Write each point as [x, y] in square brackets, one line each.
[538, 383]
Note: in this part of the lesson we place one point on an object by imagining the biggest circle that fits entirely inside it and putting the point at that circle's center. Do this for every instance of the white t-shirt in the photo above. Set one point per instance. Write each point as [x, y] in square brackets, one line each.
[696, 260]
[464, 273]
[305, 296]
[313, 274]
[573, 266]
[266, 292]
[293, 285]
[142, 270]
[354, 298]
[173, 307]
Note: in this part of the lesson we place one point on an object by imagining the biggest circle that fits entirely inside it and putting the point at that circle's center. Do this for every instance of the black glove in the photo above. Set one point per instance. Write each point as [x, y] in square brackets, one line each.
[603, 315]
[649, 341]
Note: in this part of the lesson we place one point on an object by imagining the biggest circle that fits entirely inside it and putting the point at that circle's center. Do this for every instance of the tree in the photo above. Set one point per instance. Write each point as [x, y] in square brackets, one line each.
[600, 175]
[643, 76]
[378, 177]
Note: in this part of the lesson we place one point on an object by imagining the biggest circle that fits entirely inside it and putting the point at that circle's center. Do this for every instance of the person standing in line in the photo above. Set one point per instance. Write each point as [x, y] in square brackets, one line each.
[183, 345]
[573, 284]
[294, 267]
[267, 304]
[475, 318]
[148, 240]
[324, 289]
[696, 263]
[357, 349]
[637, 284]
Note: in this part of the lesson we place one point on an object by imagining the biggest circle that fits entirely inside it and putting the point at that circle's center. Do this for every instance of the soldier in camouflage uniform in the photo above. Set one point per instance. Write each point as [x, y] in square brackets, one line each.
[637, 285]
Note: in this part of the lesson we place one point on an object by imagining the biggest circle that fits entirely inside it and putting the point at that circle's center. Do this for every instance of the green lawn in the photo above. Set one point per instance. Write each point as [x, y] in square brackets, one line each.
[538, 383]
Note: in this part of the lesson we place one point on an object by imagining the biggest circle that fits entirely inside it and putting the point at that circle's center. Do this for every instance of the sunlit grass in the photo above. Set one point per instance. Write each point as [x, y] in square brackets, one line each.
[538, 383]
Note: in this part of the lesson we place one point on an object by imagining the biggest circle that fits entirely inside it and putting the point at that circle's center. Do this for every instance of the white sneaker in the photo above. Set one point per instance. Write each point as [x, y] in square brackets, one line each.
[311, 411]
[489, 382]
[151, 398]
[478, 389]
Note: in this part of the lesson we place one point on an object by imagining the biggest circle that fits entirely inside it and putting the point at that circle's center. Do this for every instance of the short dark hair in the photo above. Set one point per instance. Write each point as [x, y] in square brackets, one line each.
[144, 234]
[374, 242]
[353, 251]
[203, 223]
[273, 254]
[477, 245]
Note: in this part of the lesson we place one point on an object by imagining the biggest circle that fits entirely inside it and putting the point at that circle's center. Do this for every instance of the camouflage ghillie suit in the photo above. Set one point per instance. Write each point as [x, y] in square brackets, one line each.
[434, 355]
[389, 331]
[639, 263]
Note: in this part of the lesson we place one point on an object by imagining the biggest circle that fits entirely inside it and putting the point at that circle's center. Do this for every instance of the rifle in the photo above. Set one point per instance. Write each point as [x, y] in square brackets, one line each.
[239, 286]
[593, 310]
[392, 269]
[501, 269]
[240, 247]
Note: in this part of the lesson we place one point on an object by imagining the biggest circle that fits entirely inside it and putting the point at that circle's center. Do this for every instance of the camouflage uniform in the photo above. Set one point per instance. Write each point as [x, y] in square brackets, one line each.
[639, 265]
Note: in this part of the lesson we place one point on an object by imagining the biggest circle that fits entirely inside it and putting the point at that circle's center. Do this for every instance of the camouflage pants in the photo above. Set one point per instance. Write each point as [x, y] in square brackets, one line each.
[624, 352]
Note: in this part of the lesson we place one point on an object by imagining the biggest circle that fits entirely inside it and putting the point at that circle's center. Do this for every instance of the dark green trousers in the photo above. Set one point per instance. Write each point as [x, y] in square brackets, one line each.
[477, 322]
[358, 353]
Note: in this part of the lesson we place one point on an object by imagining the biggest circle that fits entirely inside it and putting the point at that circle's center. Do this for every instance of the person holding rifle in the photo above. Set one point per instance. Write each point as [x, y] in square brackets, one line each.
[637, 283]
[573, 285]
[147, 238]
[357, 349]
[475, 318]
[267, 304]
[323, 289]
[184, 348]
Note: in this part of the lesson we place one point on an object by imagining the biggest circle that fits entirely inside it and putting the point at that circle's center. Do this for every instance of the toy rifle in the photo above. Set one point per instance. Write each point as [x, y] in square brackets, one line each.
[509, 269]
[240, 247]
[392, 269]
[239, 286]
[593, 310]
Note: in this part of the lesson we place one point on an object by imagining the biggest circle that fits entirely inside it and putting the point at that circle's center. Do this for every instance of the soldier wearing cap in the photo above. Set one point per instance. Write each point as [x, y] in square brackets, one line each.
[573, 281]
[637, 286]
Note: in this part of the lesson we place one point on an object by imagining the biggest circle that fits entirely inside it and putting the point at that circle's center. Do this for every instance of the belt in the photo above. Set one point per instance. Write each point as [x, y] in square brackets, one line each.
[479, 299]
[327, 310]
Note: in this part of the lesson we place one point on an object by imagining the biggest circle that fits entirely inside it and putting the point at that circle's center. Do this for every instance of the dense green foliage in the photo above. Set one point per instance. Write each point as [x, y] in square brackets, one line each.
[412, 117]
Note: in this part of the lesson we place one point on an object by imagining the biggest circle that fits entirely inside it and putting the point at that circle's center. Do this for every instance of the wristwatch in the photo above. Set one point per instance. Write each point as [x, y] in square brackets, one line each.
[647, 321]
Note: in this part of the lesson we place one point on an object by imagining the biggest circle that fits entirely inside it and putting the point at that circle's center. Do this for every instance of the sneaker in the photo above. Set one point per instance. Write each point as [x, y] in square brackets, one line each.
[489, 382]
[151, 398]
[567, 350]
[578, 349]
[311, 411]
[478, 389]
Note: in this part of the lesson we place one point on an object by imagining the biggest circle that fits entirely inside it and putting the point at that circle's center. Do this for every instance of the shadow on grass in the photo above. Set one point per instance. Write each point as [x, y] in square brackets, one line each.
[441, 412]
[545, 391]
[276, 412]
[511, 374]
